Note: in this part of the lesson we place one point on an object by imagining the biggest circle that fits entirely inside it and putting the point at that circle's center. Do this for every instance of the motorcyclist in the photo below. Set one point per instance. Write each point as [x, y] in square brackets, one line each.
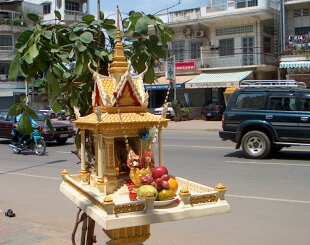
[20, 137]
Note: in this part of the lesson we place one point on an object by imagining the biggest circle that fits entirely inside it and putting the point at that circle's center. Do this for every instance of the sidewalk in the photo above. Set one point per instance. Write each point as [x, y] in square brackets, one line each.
[201, 125]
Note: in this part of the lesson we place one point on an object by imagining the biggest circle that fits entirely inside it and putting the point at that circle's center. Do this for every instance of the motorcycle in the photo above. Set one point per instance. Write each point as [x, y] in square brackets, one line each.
[35, 143]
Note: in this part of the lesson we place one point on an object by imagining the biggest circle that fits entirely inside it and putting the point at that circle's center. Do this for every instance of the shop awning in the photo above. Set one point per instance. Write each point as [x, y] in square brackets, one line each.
[295, 64]
[163, 84]
[218, 80]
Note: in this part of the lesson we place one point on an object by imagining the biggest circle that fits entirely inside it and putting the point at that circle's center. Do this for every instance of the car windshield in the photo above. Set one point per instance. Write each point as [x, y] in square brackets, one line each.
[41, 116]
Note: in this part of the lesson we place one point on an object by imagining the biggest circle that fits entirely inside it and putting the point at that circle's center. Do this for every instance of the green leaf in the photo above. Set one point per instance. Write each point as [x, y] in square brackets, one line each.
[48, 34]
[15, 110]
[88, 19]
[53, 86]
[79, 65]
[86, 37]
[33, 17]
[143, 24]
[24, 125]
[31, 54]
[49, 124]
[31, 113]
[56, 107]
[14, 68]
[80, 46]
[73, 36]
[23, 39]
[57, 14]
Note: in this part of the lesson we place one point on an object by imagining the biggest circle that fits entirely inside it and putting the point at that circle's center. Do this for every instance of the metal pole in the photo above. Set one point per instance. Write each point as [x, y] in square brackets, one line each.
[174, 83]
[98, 9]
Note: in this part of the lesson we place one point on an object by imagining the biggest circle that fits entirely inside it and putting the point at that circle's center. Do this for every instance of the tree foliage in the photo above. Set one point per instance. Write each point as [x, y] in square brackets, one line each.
[59, 55]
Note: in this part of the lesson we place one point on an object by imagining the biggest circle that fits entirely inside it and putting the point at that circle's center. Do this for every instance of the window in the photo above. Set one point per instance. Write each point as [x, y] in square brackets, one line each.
[282, 104]
[195, 49]
[3, 115]
[250, 101]
[246, 3]
[226, 47]
[302, 30]
[72, 6]
[178, 49]
[6, 40]
[234, 30]
[267, 45]
[305, 104]
[4, 69]
[46, 8]
[301, 12]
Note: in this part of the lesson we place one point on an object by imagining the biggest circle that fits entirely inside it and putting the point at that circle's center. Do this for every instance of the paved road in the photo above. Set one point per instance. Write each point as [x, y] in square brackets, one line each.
[270, 198]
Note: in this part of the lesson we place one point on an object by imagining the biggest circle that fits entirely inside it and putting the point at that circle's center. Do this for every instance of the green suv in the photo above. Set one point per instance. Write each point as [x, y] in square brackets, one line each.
[264, 116]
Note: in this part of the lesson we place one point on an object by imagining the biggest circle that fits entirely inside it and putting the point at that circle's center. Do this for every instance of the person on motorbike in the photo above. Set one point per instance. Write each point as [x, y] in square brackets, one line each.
[18, 136]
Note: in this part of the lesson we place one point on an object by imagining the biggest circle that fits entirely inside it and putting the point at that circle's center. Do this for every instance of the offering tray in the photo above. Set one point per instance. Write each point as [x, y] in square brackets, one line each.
[117, 211]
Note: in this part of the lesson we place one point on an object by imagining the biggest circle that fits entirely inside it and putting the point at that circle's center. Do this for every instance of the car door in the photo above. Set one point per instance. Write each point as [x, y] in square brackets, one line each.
[5, 125]
[245, 106]
[284, 116]
[304, 116]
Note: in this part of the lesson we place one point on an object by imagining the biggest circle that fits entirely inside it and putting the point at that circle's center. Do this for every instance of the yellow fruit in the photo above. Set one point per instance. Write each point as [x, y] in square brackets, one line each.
[164, 195]
[173, 184]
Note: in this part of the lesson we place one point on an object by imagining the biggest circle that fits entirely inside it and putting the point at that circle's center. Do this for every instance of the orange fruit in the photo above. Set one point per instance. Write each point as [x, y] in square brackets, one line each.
[173, 184]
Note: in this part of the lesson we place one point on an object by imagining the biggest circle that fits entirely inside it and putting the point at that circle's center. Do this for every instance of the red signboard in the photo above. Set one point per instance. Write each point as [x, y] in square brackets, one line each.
[186, 65]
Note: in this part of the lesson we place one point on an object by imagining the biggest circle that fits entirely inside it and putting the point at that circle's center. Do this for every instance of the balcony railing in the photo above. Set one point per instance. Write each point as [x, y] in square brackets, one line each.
[237, 57]
[8, 17]
[71, 15]
[298, 45]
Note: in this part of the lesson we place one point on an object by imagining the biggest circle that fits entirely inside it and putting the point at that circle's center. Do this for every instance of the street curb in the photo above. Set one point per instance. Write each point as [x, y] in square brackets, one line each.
[183, 129]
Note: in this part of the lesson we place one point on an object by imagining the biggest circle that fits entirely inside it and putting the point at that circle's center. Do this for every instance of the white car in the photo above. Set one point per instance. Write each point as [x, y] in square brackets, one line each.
[169, 114]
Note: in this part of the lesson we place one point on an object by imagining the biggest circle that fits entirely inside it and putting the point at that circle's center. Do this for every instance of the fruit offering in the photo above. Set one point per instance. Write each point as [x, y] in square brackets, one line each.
[145, 190]
[160, 179]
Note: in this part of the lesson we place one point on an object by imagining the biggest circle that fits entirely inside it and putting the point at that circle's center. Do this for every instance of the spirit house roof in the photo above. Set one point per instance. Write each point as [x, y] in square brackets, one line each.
[120, 97]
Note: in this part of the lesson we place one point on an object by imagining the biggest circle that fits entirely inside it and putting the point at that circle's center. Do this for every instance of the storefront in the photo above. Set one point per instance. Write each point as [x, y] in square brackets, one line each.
[298, 70]
[209, 88]
[158, 90]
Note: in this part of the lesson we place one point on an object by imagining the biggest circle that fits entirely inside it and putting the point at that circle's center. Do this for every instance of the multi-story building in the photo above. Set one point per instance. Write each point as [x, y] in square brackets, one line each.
[295, 59]
[70, 10]
[221, 43]
[13, 21]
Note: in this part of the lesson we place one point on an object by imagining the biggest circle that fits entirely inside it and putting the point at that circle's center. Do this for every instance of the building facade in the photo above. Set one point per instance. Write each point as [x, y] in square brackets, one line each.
[70, 10]
[224, 38]
[295, 58]
[13, 21]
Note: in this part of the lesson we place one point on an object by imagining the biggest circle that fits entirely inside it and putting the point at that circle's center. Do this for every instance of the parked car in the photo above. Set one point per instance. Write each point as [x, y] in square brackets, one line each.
[61, 132]
[170, 111]
[264, 119]
[212, 112]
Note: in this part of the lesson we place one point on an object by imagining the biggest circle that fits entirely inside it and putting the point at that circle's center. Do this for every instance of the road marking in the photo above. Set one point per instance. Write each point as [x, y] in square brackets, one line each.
[267, 163]
[32, 176]
[269, 199]
[200, 147]
[64, 152]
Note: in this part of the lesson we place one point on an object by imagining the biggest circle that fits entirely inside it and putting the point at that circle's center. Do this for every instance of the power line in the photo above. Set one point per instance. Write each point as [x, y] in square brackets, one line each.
[166, 9]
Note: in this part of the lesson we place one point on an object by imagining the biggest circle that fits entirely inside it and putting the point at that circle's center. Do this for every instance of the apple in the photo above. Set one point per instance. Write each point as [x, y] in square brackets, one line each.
[164, 184]
[158, 183]
[165, 177]
[159, 171]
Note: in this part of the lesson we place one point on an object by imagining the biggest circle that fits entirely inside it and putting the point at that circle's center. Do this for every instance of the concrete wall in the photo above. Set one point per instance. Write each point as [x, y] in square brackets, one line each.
[293, 22]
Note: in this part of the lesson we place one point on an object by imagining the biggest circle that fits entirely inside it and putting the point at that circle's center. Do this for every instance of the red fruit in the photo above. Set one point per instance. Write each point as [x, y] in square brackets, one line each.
[165, 184]
[165, 177]
[144, 180]
[158, 184]
[159, 171]
[133, 196]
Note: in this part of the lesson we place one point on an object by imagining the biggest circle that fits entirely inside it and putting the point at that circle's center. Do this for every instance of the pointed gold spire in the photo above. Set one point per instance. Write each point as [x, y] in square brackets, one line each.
[119, 63]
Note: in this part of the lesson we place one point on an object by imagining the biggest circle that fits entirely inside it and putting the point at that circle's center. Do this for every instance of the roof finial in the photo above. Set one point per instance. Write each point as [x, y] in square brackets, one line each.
[119, 62]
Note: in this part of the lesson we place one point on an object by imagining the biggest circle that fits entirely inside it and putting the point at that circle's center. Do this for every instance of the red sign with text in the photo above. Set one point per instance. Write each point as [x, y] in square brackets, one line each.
[186, 65]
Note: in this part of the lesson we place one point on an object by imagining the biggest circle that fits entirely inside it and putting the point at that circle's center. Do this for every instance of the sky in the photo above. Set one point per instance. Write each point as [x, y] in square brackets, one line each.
[147, 6]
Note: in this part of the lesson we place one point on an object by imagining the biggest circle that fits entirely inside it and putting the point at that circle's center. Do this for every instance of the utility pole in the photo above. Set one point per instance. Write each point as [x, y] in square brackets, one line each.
[98, 9]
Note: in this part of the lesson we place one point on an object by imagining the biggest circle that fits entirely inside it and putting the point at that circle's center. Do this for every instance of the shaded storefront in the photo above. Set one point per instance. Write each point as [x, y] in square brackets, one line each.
[298, 70]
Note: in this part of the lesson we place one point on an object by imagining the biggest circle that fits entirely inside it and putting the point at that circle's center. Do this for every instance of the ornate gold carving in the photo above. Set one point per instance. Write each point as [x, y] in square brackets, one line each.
[64, 173]
[128, 208]
[221, 190]
[207, 198]
[129, 236]
[85, 176]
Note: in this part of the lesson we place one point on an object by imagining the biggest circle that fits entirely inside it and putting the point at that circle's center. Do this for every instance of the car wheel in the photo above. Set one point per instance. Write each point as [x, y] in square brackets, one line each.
[62, 141]
[255, 145]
